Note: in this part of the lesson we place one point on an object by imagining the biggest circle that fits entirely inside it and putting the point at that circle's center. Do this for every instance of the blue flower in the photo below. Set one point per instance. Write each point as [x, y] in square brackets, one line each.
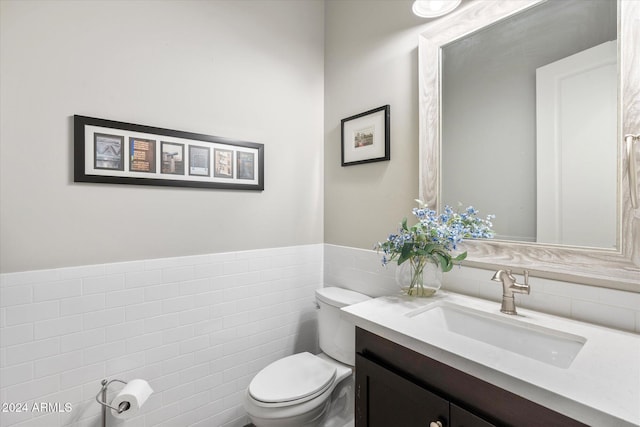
[435, 235]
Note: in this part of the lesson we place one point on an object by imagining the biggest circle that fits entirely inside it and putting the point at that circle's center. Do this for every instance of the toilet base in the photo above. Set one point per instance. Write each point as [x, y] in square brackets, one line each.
[334, 408]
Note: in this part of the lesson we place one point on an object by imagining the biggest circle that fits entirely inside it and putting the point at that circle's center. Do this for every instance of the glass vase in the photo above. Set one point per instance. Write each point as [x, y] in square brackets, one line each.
[419, 277]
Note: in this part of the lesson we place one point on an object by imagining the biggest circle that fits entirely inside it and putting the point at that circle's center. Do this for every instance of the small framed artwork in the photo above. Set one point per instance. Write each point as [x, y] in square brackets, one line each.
[199, 160]
[110, 152]
[366, 137]
[142, 155]
[223, 163]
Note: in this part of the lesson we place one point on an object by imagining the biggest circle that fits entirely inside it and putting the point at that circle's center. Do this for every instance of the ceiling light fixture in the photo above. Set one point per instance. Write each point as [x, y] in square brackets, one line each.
[434, 8]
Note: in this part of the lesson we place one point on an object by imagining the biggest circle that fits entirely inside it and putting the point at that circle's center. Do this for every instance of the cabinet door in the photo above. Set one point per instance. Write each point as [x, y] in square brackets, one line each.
[464, 418]
[385, 399]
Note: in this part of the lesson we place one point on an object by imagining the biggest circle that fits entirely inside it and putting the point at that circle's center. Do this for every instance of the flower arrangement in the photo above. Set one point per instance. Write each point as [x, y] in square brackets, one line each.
[433, 238]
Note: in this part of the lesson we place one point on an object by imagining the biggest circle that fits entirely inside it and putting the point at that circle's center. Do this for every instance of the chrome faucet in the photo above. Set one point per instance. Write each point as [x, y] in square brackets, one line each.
[509, 287]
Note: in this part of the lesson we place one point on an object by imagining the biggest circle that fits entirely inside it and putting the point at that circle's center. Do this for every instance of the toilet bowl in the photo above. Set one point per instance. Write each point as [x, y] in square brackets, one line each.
[297, 390]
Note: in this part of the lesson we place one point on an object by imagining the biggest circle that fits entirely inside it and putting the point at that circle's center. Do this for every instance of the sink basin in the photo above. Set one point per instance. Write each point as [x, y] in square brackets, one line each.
[542, 344]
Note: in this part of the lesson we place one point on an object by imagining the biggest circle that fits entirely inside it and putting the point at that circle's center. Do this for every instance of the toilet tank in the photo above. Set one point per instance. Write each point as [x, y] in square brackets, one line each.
[337, 336]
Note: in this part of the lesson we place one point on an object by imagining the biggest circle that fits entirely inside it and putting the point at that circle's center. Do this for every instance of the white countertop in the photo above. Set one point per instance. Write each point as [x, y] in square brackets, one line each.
[600, 387]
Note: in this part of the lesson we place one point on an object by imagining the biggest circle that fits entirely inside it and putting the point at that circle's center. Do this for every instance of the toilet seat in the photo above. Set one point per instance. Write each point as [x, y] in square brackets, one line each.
[292, 380]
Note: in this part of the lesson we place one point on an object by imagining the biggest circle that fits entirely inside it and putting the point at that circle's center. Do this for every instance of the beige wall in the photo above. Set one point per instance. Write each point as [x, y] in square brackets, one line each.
[371, 59]
[241, 70]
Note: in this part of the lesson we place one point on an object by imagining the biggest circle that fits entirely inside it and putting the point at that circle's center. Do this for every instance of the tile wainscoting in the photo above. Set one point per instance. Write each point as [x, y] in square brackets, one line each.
[361, 271]
[197, 328]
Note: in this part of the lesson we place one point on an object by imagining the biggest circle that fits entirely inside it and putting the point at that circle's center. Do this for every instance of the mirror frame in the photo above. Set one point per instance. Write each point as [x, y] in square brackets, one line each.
[610, 268]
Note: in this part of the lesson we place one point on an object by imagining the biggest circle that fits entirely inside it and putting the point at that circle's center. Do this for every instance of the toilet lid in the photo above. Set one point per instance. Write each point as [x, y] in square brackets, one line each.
[300, 377]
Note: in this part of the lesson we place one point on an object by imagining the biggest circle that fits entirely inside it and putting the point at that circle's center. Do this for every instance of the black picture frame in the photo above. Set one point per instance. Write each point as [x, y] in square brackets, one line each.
[104, 152]
[365, 137]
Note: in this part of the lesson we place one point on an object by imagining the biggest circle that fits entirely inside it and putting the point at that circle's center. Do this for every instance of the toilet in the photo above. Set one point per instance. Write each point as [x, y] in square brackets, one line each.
[298, 390]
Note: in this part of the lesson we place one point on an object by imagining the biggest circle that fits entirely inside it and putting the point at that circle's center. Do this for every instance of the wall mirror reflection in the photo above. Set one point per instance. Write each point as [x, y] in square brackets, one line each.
[524, 105]
[529, 123]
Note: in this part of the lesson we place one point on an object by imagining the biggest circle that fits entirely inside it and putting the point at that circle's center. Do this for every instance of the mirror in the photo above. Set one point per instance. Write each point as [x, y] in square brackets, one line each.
[470, 100]
[521, 99]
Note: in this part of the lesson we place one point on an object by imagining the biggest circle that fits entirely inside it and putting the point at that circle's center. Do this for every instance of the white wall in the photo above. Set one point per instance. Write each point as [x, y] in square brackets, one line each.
[242, 70]
[371, 59]
[198, 328]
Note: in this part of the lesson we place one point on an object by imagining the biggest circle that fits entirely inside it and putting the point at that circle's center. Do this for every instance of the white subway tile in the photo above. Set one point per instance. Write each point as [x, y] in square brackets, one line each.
[104, 352]
[16, 374]
[208, 270]
[81, 340]
[177, 334]
[160, 292]
[32, 351]
[57, 290]
[143, 278]
[167, 411]
[176, 394]
[57, 364]
[80, 272]
[33, 389]
[124, 267]
[235, 267]
[164, 352]
[28, 277]
[177, 363]
[143, 311]
[125, 363]
[94, 285]
[144, 342]
[100, 319]
[197, 286]
[165, 382]
[57, 327]
[83, 304]
[208, 299]
[613, 317]
[166, 335]
[15, 295]
[617, 298]
[18, 314]
[16, 335]
[123, 331]
[195, 401]
[178, 304]
[125, 297]
[209, 354]
[194, 344]
[82, 375]
[161, 323]
[177, 274]
[194, 316]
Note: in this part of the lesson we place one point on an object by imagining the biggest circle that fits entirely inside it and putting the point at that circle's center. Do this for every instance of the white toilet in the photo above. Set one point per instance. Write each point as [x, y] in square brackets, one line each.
[297, 390]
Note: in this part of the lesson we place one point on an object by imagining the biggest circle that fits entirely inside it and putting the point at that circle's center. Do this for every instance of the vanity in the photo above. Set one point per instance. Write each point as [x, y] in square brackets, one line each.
[454, 360]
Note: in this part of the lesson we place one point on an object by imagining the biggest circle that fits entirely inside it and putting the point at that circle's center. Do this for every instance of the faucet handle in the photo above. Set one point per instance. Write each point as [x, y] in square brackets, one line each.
[526, 277]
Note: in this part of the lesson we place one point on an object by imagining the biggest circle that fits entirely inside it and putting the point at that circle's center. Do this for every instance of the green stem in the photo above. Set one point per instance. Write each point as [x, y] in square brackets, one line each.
[417, 269]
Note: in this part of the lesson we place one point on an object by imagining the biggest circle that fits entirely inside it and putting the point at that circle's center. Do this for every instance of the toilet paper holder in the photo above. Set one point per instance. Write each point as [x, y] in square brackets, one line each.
[103, 393]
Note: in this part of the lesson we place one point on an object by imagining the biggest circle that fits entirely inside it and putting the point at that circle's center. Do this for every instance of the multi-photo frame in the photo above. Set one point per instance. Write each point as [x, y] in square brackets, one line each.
[112, 152]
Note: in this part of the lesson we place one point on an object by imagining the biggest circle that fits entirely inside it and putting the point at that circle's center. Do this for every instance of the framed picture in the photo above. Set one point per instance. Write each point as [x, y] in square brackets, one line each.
[110, 152]
[365, 137]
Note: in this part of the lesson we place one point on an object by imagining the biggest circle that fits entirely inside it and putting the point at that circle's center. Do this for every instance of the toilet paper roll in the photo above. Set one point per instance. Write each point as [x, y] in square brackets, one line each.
[135, 393]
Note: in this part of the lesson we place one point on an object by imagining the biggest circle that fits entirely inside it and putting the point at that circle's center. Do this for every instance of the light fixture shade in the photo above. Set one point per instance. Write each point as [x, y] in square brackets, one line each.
[434, 8]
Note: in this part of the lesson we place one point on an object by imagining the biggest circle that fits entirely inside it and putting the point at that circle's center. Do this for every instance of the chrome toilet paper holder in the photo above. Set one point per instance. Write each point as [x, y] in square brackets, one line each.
[103, 393]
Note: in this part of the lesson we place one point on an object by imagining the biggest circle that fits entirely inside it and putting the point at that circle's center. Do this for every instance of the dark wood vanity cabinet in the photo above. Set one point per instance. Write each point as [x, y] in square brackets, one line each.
[397, 387]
